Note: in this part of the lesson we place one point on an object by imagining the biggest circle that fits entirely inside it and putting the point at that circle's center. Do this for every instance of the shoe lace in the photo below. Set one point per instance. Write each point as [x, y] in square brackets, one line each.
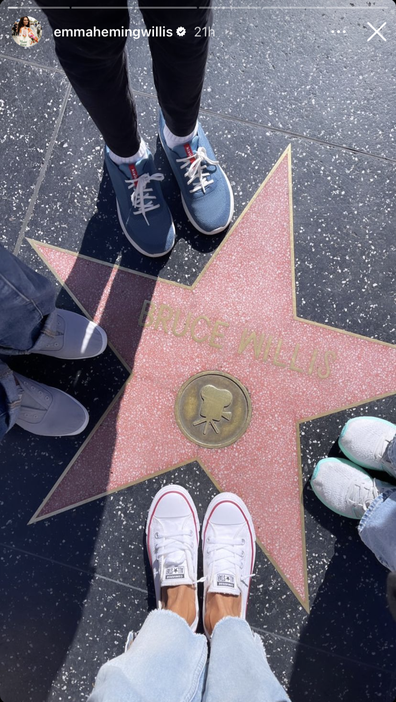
[195, 169]
[218, 561]
[143, 196]
[174, 548]
[365, 497]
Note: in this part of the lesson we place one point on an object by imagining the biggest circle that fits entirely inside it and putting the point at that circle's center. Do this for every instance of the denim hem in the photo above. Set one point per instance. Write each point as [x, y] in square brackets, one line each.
[48, 331]
[199, 669]
[374, 505]
[227, 618]
[368, 529]
[169, 613]
[10, 399]
[161, 645]
[391, 454]
[4, 371]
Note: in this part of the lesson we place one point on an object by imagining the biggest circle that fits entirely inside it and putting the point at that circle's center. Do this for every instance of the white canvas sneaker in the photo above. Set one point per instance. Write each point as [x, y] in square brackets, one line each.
[76, 337]
[365, 440]
[229, 549]
[345, 488]
[172, 536]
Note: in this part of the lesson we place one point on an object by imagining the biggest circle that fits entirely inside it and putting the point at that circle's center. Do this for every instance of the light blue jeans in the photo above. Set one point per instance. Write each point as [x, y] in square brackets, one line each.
[377, 528]
[168, 663]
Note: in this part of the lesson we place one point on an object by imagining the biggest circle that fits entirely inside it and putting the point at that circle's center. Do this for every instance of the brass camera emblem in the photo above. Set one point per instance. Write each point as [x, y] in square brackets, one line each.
[213, 409]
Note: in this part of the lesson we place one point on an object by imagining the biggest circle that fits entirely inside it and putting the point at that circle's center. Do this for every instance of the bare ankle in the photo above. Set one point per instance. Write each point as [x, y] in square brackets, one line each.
[180, 599]
[219, 606]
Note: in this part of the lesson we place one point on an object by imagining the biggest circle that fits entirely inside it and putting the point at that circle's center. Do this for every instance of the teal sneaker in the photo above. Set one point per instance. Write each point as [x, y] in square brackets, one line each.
[142, 211]
[345, 488]
[206, 192]
[366, 441]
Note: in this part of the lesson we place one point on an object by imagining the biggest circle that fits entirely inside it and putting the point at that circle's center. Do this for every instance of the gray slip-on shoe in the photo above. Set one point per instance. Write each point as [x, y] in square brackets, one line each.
[47, 411]
[76, 337]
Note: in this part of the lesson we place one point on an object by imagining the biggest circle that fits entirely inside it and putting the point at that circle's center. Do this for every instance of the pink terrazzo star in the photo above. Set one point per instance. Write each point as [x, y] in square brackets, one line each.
[239, 317]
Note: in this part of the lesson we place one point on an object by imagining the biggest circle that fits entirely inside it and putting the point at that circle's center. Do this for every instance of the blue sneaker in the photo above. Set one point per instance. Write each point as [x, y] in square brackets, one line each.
[142, 211]
[205, 189]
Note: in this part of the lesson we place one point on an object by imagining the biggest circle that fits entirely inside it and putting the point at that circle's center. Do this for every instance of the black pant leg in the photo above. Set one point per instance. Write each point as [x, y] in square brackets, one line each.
[97, 69]
[179, 62]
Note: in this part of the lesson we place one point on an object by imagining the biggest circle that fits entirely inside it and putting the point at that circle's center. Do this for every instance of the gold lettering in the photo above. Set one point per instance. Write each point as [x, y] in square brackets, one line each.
[312, 362]
[294, 359]
[146, 316]
[276, 356]
[165, 314]
[267, 348]
[196, 321]
[329, 356]
[247, 339]
[176, 322]
[216, 334]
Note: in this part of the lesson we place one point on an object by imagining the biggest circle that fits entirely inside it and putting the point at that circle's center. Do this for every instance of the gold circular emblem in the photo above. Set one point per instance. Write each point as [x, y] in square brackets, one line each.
[213, 409]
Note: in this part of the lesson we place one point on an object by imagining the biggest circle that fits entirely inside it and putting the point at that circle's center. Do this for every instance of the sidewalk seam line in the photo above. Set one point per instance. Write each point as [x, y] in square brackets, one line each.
[230, 118]
[279, 130]
[33, 64]
[72, 567]
[43, 171]
[319, 650]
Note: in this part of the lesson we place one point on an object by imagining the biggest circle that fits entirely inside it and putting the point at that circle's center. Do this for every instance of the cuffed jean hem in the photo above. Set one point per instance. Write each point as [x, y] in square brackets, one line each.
[165, 663]
[377, 528]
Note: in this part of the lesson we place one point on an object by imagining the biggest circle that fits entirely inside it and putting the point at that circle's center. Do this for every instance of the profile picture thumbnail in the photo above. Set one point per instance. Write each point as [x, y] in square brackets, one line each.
[26, 31]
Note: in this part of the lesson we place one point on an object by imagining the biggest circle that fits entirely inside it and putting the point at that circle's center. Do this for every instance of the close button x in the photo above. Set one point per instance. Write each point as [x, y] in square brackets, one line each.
[376, 31]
